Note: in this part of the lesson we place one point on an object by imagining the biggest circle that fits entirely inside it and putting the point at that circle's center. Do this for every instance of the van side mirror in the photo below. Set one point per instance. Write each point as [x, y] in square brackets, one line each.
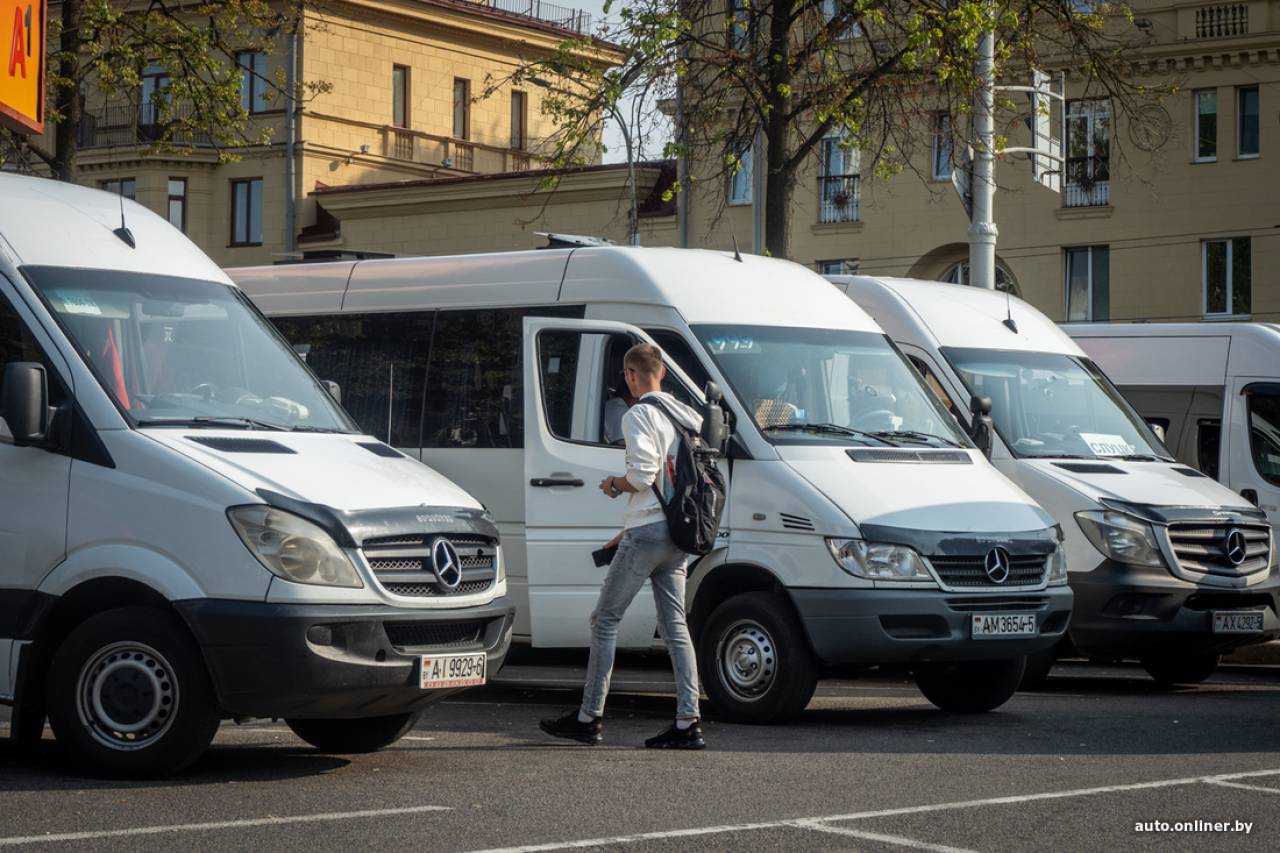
[24, 402]
[1158, 429]
[334, 389]
[715, 429]
[980, 427]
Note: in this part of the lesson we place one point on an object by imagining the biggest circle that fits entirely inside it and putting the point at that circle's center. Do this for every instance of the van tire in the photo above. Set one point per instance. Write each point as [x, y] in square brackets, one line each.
[769, 638]
[129, 696]
[970, 687]
[1171, 670]
[1039, 665]
[347, 737]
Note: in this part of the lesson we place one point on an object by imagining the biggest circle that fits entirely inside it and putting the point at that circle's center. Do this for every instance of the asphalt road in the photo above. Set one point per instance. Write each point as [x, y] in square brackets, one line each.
[870, 766]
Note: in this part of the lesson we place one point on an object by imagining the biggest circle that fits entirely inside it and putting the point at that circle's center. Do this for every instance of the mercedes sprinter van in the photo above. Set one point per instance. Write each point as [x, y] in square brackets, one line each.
[862, 526]
[191, 528]
[1167, 566]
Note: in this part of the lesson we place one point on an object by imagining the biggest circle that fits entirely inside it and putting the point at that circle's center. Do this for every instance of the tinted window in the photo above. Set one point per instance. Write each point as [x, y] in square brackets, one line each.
[17, 344]
[677, 349]
[1264, 434]
[558, 361]
[378, 360]
[1208, 441]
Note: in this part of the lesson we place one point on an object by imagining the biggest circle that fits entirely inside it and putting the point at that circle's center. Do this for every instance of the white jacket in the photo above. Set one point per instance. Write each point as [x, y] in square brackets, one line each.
[651, 442]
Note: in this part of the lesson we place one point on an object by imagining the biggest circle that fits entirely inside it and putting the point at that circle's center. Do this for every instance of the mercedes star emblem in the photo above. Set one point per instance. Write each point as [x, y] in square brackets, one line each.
[446, 565]
[1236, 547]
[997, 565]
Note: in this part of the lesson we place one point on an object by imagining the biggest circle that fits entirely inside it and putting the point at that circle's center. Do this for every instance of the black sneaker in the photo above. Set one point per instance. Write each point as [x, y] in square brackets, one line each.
[571, 728]
[677, 738]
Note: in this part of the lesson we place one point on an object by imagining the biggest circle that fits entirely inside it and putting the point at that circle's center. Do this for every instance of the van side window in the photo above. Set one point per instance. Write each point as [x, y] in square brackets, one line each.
[558, 362]
[677, 349]
[584, 394]
[1208, 442]
[932, 381]
[378, 360]
[1264, 433]
[18, 344]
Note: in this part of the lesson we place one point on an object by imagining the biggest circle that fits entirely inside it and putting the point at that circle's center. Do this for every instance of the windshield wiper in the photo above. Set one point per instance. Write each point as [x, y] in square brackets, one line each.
[1137, 457]
[827, 429]
[229, 421]
[916, 435]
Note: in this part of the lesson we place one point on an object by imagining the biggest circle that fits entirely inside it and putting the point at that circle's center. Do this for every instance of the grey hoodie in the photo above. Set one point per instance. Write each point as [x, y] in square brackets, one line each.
[651, 442]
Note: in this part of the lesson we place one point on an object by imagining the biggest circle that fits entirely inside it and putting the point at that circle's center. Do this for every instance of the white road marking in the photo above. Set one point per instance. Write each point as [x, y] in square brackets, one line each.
[90, 835]
[1226, 784]
[881, 837]
[811, 822]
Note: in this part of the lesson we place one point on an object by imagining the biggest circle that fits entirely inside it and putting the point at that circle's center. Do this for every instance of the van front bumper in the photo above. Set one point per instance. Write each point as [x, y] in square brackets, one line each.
[335, 661]
[1127, 611]
[891, 626]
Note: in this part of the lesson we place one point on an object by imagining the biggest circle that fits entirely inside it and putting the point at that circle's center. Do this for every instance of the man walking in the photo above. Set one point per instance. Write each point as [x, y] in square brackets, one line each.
[645, 552]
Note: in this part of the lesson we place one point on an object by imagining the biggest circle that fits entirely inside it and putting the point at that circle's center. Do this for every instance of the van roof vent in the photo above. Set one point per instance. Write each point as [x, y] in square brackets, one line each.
[377, 448]
[796, 522]
[1089, 468]
[903, 454]
[240, 445]
[1189, 472]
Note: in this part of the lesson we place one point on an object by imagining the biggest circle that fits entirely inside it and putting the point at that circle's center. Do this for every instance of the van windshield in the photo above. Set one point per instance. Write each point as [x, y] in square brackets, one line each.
[1053, 405]
[180, 352]
[829, 384]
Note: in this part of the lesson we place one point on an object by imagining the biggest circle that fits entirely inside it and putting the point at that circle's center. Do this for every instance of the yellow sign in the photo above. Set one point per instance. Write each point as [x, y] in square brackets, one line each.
[22, 51]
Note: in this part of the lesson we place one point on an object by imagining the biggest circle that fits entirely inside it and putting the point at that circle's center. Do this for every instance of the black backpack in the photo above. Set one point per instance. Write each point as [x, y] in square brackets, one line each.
[697, 491]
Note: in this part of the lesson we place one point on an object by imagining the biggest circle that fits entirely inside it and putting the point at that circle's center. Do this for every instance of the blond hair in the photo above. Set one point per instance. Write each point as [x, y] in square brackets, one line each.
[645, 359]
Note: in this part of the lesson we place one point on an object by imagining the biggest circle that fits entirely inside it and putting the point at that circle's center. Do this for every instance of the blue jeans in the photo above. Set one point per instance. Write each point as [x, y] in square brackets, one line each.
[645, 553]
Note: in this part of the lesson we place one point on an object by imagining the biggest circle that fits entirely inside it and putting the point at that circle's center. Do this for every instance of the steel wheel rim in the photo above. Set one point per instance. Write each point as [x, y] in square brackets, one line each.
[126, 696]
[748, 660]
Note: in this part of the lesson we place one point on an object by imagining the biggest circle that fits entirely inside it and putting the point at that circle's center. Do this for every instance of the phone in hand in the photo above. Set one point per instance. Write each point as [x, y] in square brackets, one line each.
[604, 556]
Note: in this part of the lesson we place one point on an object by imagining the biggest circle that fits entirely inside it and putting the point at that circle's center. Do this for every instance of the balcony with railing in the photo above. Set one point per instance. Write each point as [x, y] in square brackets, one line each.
[839, 198]
[134, 124]
[1088, 182]
[548, 13]
[1222, 21]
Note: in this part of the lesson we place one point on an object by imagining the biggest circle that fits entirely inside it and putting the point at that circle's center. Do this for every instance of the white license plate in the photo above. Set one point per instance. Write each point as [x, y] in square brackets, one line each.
[1004, 625]
[438, 671]
[1237, 622]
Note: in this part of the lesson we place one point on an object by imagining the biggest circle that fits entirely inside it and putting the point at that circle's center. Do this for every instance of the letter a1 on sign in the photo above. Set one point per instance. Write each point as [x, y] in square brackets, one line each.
[22, 52]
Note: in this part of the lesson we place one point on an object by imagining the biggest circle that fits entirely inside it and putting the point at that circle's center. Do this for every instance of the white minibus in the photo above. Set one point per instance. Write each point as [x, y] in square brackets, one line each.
[1167, 566]
[862, 526]
[1213, 389]
[191, 529]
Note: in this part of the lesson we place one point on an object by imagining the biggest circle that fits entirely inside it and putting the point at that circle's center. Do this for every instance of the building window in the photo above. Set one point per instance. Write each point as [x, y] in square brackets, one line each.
[151, 102]
[838, 185]
[254, 92]
[942, 146]
[127, 187]
[1247, 121]
[832, 8]
[1227, 270]
[741, 181]
[1088, 280]
[178, 203]
[959, 274]
[1088, 154]
[461, 108]
[1206, 103]
[739, 24]
[844, 266]
[519, 121]
[246, 212]
[400, 95]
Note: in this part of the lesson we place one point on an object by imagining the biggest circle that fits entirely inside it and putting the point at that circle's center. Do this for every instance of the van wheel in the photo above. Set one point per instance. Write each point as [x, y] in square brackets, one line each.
[366, 734]
[1036, 674]
[970, 687]
[755, 661]
[128, 695]
[1191, 668]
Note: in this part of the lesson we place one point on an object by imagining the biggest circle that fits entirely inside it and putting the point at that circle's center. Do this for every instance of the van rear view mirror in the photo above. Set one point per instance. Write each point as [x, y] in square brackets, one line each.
[980, 427]
[24, 402]
[715, 429]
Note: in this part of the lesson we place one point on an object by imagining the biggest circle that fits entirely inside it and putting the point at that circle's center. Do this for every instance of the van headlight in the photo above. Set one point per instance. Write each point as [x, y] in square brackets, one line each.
[1057, 575]
[878, 561]
[293, 548]
[1121, 537]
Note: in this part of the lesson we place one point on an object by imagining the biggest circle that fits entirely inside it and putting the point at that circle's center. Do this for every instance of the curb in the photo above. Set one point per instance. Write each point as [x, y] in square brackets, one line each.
[1261, 653]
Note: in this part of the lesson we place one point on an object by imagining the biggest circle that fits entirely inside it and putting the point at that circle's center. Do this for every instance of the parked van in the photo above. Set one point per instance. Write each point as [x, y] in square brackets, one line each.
[862, 527]
[1213, 389]
[1167, 566]
[192, 529]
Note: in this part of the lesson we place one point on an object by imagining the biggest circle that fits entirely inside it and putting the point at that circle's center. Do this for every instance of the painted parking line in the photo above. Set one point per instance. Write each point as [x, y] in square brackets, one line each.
[881, 837]
[814, 822]
[286, 820]
[1225, 784]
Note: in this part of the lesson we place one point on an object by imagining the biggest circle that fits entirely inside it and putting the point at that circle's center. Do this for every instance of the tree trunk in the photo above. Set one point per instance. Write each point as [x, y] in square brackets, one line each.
[67, 97]
[779, 177]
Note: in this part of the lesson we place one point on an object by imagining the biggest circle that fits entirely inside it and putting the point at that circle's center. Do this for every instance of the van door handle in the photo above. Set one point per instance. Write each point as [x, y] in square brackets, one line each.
[549, 482]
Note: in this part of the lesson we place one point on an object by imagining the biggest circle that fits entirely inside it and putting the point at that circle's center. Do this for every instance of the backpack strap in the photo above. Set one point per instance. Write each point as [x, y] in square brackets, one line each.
[681, 433]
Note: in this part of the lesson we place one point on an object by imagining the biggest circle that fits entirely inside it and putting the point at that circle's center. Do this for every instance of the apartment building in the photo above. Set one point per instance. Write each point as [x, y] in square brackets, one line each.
[1171, 218]
[406, 101]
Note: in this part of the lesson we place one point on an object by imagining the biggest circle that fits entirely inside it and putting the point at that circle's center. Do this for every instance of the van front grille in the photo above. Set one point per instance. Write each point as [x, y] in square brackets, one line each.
[439, 635]
[1221, 549]
[971, 571]
[404, 565]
